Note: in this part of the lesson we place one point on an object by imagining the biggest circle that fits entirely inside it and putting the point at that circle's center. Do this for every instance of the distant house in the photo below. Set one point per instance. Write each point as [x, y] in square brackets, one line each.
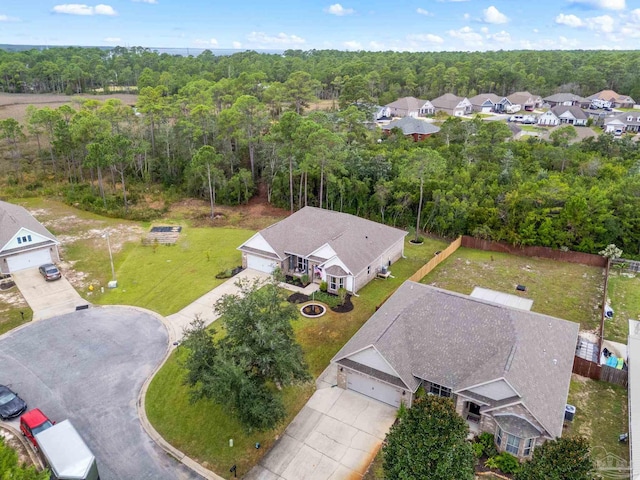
[24, 242]
[452, 105]
[567, 100]
[489, 102]
[341, 249]
[616, 100]
[410, 107]
[564, 115]
[412, 127]
[625, 122]
[506, 369]
[528, 101]
[382, 113]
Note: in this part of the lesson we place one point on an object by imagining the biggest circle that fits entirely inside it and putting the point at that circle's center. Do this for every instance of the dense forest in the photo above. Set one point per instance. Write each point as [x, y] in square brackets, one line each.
[222, 127]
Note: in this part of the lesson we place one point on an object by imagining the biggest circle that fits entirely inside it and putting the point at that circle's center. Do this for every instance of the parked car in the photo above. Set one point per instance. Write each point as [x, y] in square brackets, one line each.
[50, 272]
[32, 423]
[11, 405]
[516, 118]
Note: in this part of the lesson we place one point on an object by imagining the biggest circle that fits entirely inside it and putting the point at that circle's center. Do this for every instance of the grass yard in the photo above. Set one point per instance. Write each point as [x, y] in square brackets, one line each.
[168, 278]
[202, 430]
[559, 289]
[601, 415]
[625, 301]
[11, 304]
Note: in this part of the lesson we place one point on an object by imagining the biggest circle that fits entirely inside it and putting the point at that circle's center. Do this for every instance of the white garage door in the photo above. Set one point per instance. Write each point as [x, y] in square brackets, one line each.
[34, 258]
[372, 388]
[260, 263]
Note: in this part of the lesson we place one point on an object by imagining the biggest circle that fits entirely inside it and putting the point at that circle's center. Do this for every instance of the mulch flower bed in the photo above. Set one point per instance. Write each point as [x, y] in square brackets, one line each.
[347, 307]
[298, 298]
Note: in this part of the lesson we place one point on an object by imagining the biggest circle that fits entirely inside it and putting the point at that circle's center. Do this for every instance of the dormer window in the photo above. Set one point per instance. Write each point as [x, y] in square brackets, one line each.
[24, 239]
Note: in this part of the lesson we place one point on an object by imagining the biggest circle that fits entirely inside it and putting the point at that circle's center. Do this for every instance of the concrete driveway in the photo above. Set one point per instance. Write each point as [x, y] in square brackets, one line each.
[334, 437]
[47, 299]
[89, 367]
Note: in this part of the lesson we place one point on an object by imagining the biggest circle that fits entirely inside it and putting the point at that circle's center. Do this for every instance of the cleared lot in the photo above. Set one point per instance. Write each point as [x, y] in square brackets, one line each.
[89, 366]
[47, 299]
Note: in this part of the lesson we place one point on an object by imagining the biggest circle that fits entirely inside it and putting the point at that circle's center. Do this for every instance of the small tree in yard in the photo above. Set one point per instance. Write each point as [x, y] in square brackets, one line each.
[611, 252]
[566, 458]
[429, 443]
[258, 351]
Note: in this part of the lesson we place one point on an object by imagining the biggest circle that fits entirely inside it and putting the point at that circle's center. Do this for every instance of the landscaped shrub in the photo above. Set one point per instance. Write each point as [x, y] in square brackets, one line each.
[327, 299]
[505, 462]
[342, 295]
[477, 450]
[487, 440]
[304, 279]
[323, 286]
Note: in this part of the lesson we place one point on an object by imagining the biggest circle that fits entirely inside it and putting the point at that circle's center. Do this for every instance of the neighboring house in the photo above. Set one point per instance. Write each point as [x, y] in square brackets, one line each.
[622, 122]
[382, 113]
[507, 370]
[616, 100]
[341, 249]
[516, 131]
[562, 114]
[412, 127]
[24, 242]
[410, 107]
[489, 102]
[528, 101]
[567, 100]
[453, 105]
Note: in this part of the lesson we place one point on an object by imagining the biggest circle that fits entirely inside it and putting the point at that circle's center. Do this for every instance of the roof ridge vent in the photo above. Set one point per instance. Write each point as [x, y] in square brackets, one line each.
[512, 354]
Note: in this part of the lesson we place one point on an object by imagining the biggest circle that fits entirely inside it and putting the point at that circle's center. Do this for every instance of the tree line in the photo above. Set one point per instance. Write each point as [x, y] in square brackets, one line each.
[222, 140]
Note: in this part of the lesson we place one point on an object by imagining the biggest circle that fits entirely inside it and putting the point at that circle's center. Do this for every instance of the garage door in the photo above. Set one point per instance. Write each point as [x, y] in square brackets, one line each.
[260, 263]
[34, 258]
[372, 388]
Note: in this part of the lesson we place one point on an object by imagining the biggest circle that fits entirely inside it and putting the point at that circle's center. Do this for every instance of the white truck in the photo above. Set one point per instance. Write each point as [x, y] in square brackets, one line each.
[66, 454]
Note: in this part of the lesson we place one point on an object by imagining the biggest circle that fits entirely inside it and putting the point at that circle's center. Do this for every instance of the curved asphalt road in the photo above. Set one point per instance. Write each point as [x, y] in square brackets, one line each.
[89, 366]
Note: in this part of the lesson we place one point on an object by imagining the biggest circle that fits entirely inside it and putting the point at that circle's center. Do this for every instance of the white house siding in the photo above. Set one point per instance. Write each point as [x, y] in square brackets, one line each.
[325, 251]
[371, 358]
[498, 390]
[24, 238]
[548, 118]
[259, 243]
[29, 259]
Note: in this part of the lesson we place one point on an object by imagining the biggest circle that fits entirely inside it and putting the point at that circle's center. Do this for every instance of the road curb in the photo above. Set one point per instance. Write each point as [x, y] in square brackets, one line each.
[32, 455]
[140, 403]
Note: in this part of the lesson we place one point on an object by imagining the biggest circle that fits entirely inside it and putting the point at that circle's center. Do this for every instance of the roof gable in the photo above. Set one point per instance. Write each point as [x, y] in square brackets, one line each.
[13, 218]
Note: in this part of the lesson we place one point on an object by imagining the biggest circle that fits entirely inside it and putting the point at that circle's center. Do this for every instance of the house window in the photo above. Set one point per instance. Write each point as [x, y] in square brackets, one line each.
[19, 240]
[499, 437]
[513, 444]
[528, 447]
[368, 269]
[301, 264]
[439, 390]
[336, 283]
[29, 237]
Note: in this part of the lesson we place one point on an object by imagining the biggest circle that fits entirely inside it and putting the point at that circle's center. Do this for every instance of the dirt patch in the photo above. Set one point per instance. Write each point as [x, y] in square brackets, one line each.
[11, 299]
[14, 105]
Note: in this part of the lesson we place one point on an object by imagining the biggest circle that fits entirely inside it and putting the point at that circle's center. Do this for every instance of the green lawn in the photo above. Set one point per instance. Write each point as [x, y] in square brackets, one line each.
[202, 430]
[168, 278]
[565, 290]
[601, 415]
[10, 316]
[625, 301]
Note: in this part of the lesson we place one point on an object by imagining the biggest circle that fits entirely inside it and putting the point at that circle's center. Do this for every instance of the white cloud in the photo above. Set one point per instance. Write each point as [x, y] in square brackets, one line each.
[7, 18]
[603, 4]
[112, 39]
[634, 15]
[484, 29]
[603, 24]
[339, 10]
[466, 16]
[236, 45]
[352, 45]
[281, 39]
[535, 30]
[212, 42]
[82, 9]
[494, 16]
[378, 46]
[422, 11]
[502, 37]
[426, 38]
[569, 20]
[152, 2]
[468, 36]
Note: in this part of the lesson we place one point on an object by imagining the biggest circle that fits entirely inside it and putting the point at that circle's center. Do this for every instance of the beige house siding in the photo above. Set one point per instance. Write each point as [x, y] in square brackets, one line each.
[393, 254]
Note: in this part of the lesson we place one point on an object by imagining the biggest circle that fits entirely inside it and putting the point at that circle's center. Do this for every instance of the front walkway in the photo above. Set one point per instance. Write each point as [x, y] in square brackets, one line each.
[335, 436]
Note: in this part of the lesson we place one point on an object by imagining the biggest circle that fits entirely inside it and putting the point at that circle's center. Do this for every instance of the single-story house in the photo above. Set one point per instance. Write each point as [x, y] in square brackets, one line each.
[341, 249]
[528, 101]
[489, 102]
[412, 127]
[24, 242]
[622, 122]
[506, 369]
[567, 100]
[410, 107]
[452, 104]
[562, 114]
[616, 100]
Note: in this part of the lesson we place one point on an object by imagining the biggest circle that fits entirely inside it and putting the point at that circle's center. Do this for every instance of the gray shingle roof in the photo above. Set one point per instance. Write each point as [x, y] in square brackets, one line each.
[448, 101]
[407, 103]
[457, 341]
[517, 426]
[13, 218]
[356, 241]
[483, 97]
[576, 111]
[410, 125]
[565, 97]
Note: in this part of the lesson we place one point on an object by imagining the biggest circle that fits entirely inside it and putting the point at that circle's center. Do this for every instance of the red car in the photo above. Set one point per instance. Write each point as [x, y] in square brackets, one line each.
[32, 423]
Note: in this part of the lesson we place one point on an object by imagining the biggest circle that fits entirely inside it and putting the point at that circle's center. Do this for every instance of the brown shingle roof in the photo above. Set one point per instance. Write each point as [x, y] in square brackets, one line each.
[458, 341]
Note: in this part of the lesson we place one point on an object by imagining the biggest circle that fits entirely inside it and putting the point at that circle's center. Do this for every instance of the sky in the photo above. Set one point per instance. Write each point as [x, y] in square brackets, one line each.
[376, 25]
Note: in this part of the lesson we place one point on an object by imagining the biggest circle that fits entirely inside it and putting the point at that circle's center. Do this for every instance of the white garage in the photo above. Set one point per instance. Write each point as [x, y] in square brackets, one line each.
[373, 388]
[33, 258]
[262, 264]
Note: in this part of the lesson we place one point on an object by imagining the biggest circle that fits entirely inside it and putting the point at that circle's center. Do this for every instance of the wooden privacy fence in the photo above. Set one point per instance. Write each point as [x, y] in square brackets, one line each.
[436, 260]
[592, 370]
